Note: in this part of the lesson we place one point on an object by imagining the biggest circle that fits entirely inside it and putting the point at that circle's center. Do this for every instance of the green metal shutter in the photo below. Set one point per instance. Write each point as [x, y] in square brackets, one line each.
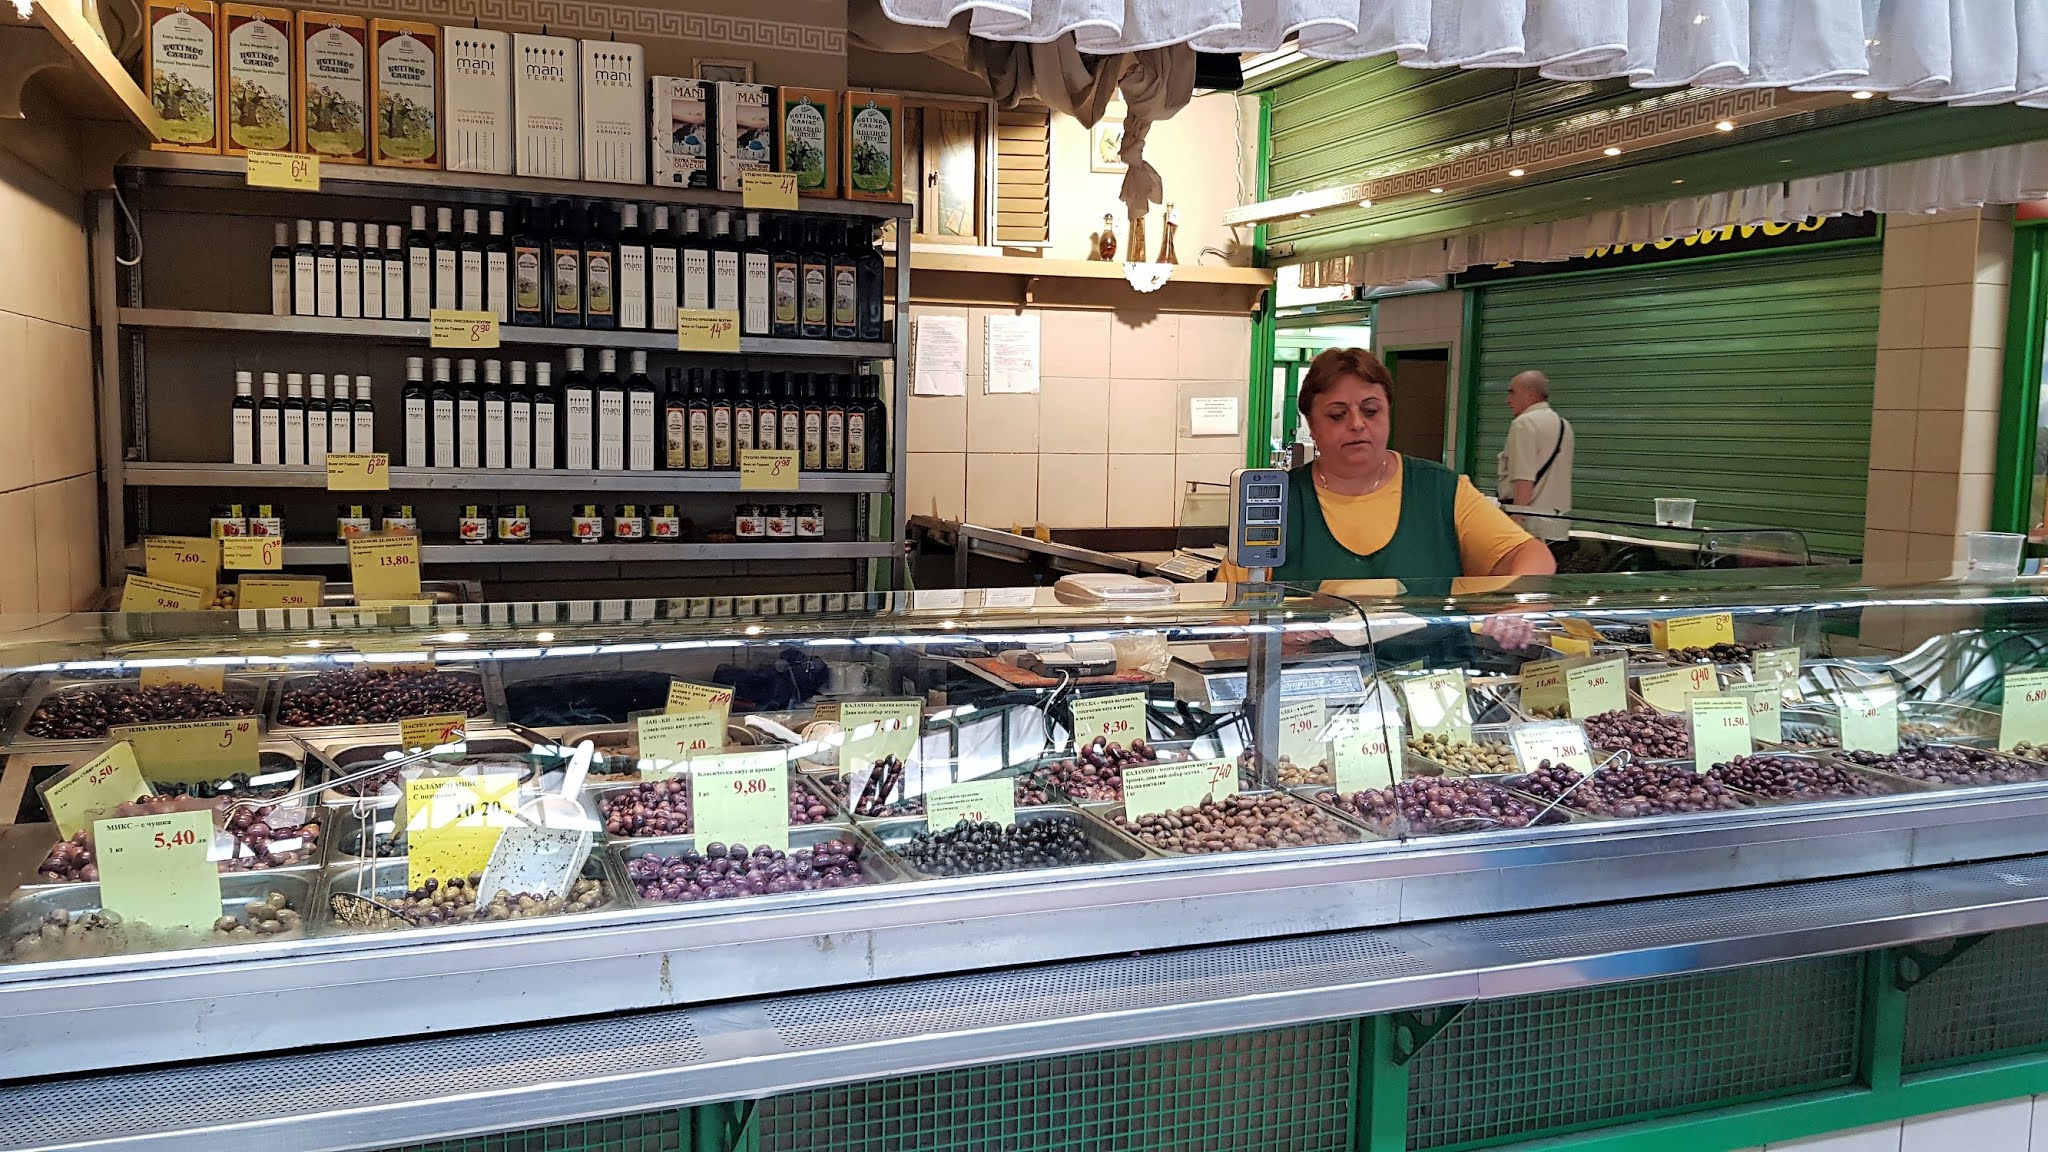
[1744, 383]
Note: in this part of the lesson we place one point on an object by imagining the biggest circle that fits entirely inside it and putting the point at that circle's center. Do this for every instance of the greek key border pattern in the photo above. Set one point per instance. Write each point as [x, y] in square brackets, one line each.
[593, 18]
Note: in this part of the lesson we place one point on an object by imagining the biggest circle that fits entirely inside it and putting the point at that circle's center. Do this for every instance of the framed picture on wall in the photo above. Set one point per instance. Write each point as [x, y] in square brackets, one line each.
[730, 71]
[1105, 141]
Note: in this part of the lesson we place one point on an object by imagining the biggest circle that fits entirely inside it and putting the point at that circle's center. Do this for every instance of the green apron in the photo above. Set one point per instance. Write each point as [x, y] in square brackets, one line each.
[1423, 553]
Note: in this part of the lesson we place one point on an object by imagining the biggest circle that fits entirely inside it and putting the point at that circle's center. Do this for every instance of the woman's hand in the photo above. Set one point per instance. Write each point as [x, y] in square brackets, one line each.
[1509, 630]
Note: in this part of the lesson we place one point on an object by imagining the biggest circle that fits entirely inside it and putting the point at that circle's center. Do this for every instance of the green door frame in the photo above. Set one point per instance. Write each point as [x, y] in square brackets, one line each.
[2019, 408]
[1259, 389]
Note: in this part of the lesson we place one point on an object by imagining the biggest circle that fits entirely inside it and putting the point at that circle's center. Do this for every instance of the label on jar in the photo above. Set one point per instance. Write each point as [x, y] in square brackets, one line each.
[225, 526]
[810, 524]
[780, 525]
[750, 527]
[629, 528]
[350, 527]
[586, 527]
[665, 527]
[475, 529]
[265, 526]
[401, 526]
[515, 528]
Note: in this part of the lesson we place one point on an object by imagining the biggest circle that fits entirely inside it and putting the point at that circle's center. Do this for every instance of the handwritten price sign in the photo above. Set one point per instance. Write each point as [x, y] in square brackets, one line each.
[1720, 730]
[992, 801]
[684, 696]
[94, 788]
[1596, 688]
[1362, 751]
[1301, 732]
[705, 330]
[1173, 785]
[1120, 718]
[741, 799]
[1694, 631]
[297, 171]
[449, 328]
[417, 732]
[194, 751]
[252, 554]
[154, 869]
[768, 191]
[358, 472]
[1670, 690]
[385, 567]
[763, 470]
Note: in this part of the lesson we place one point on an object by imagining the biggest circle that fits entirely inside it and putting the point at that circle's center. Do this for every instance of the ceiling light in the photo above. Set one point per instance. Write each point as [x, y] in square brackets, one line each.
[1516, 172]
[1680, 180]
[1725, 125]
[1304, 215]
[1611, 151]
[1439, 191]
[1860, 95]
[1365, 203]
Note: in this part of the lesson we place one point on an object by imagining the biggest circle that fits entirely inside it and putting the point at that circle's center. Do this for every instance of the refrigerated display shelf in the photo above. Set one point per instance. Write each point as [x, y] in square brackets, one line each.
[565, 550]
[152, 475]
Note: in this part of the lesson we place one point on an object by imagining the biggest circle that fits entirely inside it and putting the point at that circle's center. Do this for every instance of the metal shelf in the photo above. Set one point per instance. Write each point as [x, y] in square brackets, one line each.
[558, 551]
[147, 475]
[226, 172]
[510, 335]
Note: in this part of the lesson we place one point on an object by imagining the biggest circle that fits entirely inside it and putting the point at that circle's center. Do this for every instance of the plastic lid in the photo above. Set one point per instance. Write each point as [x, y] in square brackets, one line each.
[415, 364]
[243, 379]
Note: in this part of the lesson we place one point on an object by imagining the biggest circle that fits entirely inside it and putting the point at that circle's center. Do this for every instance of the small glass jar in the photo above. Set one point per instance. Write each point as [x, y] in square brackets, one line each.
[351, 521]
[629, 523]
[810, 521]
[227, 520]
[474, 524]
[400, 520]
[664, 523]
[782, 522]
[267, 522]
[750, 522]
[515, 525]
[586, 523]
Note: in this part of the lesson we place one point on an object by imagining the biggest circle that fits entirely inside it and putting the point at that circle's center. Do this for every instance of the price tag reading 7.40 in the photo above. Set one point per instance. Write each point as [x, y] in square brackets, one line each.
[154, 869]
[385, 567]
[359, 472]
[448, 328]
[669, 739]
[741, 799]
[767, 470]
[93, 789]
[1301, 733]
[193, 751]
[1720, 730]
[706, 330]
[1119, 719]
[2024, 715]
[1172, 785]
[988, 801]
[1596, 688]
[1870, 720]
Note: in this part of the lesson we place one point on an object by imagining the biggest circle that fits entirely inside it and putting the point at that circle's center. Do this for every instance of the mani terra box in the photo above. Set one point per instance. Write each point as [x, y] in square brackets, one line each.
[476, 100]
[334, 87]
[256, 77]
[181, 76]
[810, 135]
[874, 146]
[405, 94]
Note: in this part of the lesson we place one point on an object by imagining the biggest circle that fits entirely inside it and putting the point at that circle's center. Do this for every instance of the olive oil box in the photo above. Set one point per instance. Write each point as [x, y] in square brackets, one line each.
[334, 87]
[405, 94]
[181, 74]
[545, 118]
[614, 112]
[476, 100]
[680, 120]
[874, 146]
[746, 131]
[256, 74]
[810, 134]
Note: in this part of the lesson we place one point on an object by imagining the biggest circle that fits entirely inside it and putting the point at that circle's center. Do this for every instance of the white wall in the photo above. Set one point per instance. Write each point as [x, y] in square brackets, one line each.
[2009, 1126]
[1196, 153]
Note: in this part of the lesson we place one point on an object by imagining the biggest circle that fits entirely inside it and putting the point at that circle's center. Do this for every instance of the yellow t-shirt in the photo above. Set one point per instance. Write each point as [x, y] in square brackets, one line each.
[1365, 524]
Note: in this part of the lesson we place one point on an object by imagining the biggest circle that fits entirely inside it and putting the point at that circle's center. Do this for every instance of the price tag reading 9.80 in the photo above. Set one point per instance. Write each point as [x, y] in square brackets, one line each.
[741, 799]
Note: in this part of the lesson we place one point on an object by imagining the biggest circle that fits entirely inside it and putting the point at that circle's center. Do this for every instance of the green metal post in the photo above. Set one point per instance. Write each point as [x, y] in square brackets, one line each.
[1468, 382]
[1380, 1092]
[2019, 406]
[1259, 389]
[1881, 1040]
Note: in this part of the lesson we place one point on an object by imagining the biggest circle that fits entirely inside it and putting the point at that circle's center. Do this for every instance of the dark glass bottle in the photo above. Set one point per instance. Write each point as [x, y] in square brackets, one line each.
[579, 416]
[631, 273]
[789, 434]
[498, 268]
[529, 270]
[419, 436]
[757, 281]
[441, 402]
[447, 261]
[745, 388]
[700, 423]
[565, 273]
[868, 281]
[815, 319]
[675, 422]
[547, 424]
[694, 262]
[470, 294]
[877, 422]
[611, 413]
[813, 425]
[725, 264]
[497, 435]
[419, 267]
[722, 459]
[600, 270]
[641, 421]
[281, 272]
[662, 274]
[326, 273]
[845, 284]
[835, 422]
[786, 272]
[469, 416]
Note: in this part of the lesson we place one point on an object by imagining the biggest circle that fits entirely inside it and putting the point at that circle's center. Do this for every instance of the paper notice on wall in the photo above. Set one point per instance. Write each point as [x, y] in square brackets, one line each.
[1012, 354]
[938, 356]
[1212, 416]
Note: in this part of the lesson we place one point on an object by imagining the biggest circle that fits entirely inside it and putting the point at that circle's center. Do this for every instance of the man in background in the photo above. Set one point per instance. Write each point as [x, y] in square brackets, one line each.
[1535, 465]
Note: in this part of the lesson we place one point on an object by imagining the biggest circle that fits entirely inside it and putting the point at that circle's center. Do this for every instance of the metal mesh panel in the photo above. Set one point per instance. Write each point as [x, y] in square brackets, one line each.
[1519, 1068]
[1282, 1089]
[650, 1132]
[1992, 999]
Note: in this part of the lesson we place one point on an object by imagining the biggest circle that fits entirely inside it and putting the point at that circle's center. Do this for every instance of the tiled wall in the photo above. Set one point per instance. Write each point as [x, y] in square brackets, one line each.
[2009, 1126]
[49, 479]
[1103, 444]
[1940, 361]
[1429, 320]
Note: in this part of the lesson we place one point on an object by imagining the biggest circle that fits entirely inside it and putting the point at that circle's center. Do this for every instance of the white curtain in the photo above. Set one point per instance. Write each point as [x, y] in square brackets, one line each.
[1943, 184]
[1959, 51]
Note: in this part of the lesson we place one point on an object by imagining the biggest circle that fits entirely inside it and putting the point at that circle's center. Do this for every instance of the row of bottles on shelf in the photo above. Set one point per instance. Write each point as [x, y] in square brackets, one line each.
[701, 421]
[582, 266]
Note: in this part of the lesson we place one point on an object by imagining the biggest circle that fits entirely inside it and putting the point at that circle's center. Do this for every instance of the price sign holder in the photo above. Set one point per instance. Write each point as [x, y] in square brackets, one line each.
[296, 171]
[358, 472]
[1778, 664]
[1437, 705]
[194, 751]
[669, 739]
[1543, 685]
[878, 728]
[742, 799]
[1583, 629]
[1363, 751]
[1301, 732]
[768, 191]
[1720, 730]
[1120, 718]
[187, 561]
[211, 677]
[1670, 690]
[684, 696]
[1593, 689]
[765, 470]
[416, 733]
[991, 800]
[1703, 631]
[252, 592]
[2024, 715]
[452, 823]
[1567, 645]
[385, 567]
[707, 330]
[252, 554]
[450, 328]
[78, 796]
[1168, 786]
[1766, 711]
[1557, 742]
[154, 870]
[1870, 720]
[142, 594]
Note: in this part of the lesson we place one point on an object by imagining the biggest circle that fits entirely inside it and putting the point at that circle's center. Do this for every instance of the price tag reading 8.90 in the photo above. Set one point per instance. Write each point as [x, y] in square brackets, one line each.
[741, 799]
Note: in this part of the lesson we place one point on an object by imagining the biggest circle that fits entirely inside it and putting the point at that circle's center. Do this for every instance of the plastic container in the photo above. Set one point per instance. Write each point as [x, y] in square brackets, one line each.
[1675, 511]
[1994, 555]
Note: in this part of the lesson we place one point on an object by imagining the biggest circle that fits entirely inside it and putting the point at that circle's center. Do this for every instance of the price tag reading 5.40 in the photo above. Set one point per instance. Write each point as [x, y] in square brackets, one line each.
[1720, 730]
[154, 869]
[2024, 715]
[741, 799]
[385, 567]
[1172, 785]
[705, 330]
[767, 470]
[1119, 719]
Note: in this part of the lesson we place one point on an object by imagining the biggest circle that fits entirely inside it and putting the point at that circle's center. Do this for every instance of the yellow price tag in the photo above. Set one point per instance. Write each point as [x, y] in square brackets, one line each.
[252, 554]
[452, 823]
[95, 788]
[1171, 785]
[359, 471]
[684, 696]
[1583, 629]
[194, 751]
[449, 328]
[142, 594]
[187, 561]
[876, 729]
[768, 191]
[1568, 645]
[1543, 686]
[417, 732]
[1697, 631]
[707, 330]
[667, 739]
[280, 591]
[385, 567]
[991, 800]
[211, 677]
[741, 800]
[1670, 690]
[298, 171]
[768, 470]
[154, 869]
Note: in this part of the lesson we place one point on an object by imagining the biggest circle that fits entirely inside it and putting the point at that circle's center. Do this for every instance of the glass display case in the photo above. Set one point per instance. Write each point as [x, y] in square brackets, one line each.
[441, 817]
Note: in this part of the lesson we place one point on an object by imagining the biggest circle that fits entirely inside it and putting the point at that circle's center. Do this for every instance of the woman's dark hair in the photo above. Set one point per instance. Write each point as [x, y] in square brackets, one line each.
[1332, 365]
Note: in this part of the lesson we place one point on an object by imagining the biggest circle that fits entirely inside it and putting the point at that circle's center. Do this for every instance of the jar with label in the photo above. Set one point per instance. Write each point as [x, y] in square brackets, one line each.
[474, 524]
[351, 521]
[400, 520]
[227, 520]
[629, 522]
[586, 523]
[782, 522]
[810, 521]
[750, 522]
[515, 525]
[664, 523]
[267, 522]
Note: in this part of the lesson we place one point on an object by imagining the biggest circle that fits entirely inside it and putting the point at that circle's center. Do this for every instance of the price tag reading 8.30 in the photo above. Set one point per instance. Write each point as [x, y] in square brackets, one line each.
[741, 799]
[1119, 719]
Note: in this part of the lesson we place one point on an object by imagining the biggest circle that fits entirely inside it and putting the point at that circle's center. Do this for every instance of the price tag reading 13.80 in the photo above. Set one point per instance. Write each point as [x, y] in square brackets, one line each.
[385, 567]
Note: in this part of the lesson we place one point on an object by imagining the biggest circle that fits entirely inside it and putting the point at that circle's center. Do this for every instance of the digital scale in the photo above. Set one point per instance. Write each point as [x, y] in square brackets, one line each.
[1258, 520]
[1222, 688]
